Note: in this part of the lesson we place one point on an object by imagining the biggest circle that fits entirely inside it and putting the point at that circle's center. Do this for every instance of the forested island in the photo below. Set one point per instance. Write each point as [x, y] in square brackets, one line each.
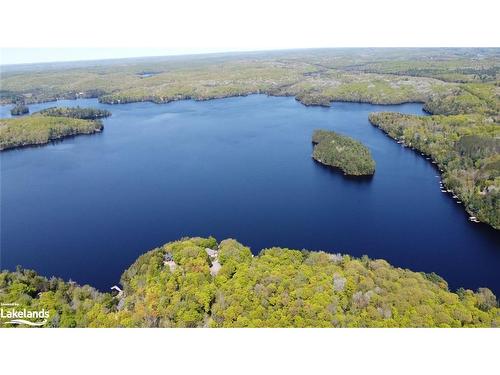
[19, 109]
[75, 112]
[49, 125]
[465, 147]
[197, 282]
[342, 152]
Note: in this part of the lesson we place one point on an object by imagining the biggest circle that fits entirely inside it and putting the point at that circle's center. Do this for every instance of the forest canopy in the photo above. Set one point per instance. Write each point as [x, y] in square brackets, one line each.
[40, 129]
[345, 153]
[75, 112]
[465, 147]
[175, 286]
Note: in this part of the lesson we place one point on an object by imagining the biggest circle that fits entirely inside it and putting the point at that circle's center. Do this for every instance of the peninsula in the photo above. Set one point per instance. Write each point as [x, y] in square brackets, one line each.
[198, 282]
[49, 125]
[465, 148]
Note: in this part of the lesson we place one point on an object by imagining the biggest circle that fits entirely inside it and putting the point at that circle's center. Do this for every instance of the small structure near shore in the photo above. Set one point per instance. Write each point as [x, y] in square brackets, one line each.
[212, 253]
[214, 258]
[168, 260]
[118, 289]
[336, 258]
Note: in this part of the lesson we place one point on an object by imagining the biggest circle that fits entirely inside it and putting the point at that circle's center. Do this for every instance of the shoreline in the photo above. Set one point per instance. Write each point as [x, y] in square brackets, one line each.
[54, 140]
[338, 170]
[439, 169]
[329, 252]
[202, 99]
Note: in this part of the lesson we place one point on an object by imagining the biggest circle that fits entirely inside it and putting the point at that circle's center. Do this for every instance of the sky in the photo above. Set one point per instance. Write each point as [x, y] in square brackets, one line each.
[57, 30]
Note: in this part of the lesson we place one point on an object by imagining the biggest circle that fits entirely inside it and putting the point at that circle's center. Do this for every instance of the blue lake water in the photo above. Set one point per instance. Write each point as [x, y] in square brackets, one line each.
[86, 207]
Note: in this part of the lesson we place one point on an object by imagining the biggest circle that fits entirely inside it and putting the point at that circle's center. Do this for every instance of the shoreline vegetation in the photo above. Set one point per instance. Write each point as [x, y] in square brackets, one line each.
[197, 282]
[75, 112]
[49, 125]
[341, 152]
[436, 77]
[465, 148]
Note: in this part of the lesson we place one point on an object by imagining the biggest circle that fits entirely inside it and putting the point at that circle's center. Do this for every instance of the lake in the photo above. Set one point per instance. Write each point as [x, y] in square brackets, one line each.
[86, 207]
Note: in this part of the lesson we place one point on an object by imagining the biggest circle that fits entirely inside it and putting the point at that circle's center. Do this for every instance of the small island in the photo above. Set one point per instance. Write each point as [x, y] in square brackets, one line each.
[49, 125]
[75, 112]
[19, 109]
[338, 151]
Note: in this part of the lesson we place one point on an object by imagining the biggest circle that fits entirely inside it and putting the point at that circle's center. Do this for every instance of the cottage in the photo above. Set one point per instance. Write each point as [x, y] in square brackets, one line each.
[212, 253]
[168, 260]
[117, 291]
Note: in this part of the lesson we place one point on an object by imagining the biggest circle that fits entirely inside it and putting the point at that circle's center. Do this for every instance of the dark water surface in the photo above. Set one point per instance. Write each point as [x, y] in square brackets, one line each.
[85, 208]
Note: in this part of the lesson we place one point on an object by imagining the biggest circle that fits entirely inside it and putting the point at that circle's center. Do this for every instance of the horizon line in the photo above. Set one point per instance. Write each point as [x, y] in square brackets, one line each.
[206, 53]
